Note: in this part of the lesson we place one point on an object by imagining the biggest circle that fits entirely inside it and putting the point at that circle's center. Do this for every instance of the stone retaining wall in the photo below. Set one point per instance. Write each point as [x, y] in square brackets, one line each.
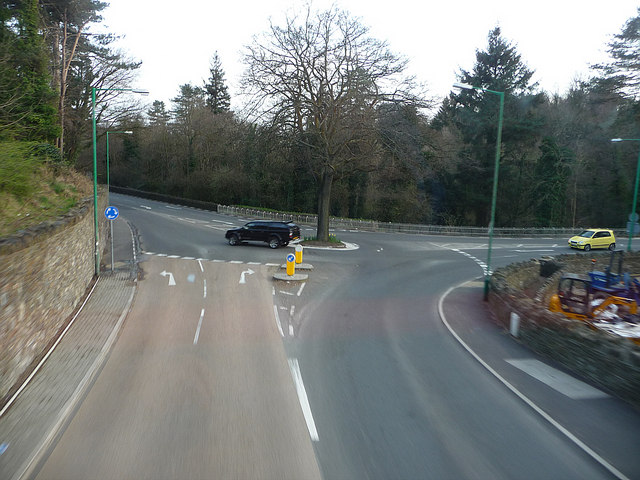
[44, 274]
[608, 361]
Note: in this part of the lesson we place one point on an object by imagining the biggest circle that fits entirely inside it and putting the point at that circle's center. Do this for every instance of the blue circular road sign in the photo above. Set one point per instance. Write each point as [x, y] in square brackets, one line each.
[290, 257]
[111, 213]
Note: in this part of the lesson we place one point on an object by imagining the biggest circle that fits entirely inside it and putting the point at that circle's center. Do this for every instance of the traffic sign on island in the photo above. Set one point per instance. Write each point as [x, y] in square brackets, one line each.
[111, 213]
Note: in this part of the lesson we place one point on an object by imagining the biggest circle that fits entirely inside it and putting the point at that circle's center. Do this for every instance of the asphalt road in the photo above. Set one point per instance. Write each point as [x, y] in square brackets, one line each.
[197, 386]
[348, 375]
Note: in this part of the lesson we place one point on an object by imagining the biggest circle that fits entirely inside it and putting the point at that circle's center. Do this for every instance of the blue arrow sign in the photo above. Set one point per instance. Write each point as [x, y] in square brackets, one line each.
[290, 257]
[111, 213]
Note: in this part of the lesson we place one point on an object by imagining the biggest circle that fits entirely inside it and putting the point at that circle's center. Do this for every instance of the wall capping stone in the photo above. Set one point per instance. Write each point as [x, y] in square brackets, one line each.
[608, 361]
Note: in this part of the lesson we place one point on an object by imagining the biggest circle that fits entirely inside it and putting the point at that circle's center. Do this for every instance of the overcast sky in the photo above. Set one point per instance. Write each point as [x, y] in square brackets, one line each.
[558, 39]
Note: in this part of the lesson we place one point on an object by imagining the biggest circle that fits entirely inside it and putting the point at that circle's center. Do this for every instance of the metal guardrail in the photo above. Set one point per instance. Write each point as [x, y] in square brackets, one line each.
[376, 226]
[364, 225]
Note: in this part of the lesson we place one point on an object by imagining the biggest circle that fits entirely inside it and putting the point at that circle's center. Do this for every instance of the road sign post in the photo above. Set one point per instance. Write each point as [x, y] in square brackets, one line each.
[291, 264]
[111, 213]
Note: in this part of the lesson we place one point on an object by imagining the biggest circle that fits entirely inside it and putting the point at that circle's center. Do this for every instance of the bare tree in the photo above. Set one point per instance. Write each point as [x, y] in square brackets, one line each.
[321, 77]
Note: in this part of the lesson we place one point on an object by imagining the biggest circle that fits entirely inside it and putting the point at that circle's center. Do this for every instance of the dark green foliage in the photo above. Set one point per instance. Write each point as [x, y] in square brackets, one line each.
[624, 68]
[217, 93]
[27, 102]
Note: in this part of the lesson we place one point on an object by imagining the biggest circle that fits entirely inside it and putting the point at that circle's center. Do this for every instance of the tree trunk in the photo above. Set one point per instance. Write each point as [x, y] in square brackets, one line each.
[324, 200]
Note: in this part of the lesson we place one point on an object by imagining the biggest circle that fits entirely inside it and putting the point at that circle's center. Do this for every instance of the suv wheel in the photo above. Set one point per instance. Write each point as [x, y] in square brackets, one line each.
[274, 242]
[234, 240]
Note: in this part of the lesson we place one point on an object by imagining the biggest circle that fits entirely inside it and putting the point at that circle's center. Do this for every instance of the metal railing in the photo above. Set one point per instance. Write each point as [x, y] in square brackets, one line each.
[388, 227]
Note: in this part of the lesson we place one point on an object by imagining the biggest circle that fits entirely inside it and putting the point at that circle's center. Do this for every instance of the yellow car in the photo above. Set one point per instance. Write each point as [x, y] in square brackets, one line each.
[593, 238]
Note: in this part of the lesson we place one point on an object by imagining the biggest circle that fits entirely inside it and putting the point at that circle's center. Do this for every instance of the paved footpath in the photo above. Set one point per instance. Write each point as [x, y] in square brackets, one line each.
[40, 412]
[605, 428]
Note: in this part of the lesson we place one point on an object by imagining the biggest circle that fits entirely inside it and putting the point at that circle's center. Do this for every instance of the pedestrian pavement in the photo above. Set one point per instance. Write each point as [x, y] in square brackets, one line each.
[609, 428]
[34, 418]
[602, 426]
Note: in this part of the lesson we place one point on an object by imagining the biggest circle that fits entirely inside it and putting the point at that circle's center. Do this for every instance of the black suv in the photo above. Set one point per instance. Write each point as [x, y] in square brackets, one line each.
[274, 233]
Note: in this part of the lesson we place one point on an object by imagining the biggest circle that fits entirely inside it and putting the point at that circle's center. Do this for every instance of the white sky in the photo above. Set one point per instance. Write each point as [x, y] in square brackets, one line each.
[558, 39]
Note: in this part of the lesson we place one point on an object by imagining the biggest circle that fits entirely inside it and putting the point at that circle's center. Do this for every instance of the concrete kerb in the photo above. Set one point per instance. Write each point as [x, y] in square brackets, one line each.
[296, 277]
[530, 403]
[31, 447]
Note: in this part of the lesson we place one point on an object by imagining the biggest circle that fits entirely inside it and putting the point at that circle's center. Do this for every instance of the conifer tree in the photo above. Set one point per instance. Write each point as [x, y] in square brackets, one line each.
[217, 94]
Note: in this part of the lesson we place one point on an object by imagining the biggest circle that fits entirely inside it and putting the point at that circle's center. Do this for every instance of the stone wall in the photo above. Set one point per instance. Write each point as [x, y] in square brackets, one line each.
[608, 361]
[44, 274]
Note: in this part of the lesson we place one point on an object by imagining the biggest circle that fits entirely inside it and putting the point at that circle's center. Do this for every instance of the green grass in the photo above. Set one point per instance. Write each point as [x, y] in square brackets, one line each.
[332, 239]
[35, 186]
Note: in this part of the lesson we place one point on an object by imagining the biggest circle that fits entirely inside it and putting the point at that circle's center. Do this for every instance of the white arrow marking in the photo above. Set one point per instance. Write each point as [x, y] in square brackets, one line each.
[172, 282]
[242, 279]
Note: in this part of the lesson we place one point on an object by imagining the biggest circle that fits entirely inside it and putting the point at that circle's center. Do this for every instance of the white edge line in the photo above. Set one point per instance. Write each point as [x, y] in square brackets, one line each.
[522, 397]
[302, 397]
[275, 311]
[44, 359]
[201, 267]
[195, 339]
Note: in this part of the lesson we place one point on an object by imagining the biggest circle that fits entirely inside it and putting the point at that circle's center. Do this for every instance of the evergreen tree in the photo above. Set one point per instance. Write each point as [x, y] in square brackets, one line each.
[27, 99]
[624, 69]
[474, 114]
[158, 115]
[186, 107]
[217, 94]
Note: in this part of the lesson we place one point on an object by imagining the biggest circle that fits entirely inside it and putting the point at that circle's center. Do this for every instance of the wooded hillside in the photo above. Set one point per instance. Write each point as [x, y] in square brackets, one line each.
[335, 124]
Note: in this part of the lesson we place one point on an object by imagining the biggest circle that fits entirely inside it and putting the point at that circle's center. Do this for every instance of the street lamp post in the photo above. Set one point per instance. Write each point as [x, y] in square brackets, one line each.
[496, 169]
[125, 132]
[95, 167]
[632, 216]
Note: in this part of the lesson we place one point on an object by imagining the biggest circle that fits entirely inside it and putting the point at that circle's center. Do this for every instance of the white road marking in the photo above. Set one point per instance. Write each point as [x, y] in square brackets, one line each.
[559, 381]
[275, 312]
[293, 308]
[201, 267]
[272, 264]
[144, 206]
[532, 251]
[291, 330]
[301, 288]
[236, 261]
[302, 396]
[195, 339]
[242, 276]
[172, 207]
[585, 448]
[286, 293]
[205, 288]
[172, 281]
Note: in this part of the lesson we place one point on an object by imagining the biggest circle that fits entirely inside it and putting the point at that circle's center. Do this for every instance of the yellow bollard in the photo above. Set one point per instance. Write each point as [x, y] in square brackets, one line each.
[291, 265]
[298, 254]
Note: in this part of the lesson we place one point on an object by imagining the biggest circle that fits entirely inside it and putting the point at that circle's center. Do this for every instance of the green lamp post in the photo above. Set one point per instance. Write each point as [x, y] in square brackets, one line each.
[95, 167]
[632, 216]
[496, 169]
